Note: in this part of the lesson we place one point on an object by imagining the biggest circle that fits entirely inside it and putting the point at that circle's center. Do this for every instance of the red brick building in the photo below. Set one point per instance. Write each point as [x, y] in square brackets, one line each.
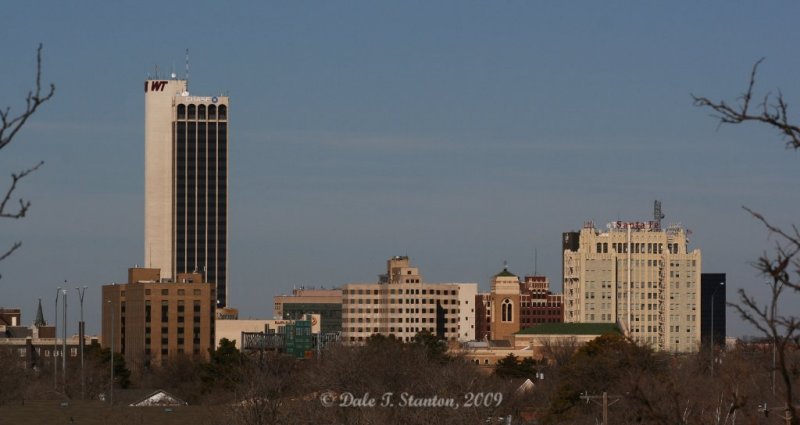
[537, 304]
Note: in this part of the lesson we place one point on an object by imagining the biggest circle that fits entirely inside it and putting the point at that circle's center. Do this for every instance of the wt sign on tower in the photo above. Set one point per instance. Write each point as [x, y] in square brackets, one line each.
[154, 86]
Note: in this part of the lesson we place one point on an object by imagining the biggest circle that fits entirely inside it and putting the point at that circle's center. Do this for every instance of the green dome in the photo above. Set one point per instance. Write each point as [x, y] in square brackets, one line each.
[505, 272]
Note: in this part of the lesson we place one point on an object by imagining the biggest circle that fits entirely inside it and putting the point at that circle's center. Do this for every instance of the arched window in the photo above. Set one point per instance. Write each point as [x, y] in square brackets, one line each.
[181, 111]
[223, 112]
[192, 110]
[507, 311]
[201, 112]
[212, 112]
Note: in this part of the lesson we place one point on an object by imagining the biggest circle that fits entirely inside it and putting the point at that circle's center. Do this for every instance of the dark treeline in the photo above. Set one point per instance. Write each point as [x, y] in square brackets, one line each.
[371, 384]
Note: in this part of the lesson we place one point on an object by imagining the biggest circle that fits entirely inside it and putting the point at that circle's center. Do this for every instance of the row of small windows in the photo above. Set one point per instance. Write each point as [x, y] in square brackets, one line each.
[637, 248]
[401, 320]
[409, 330]
[383, 310]
[398, 291]
[398, 301]
[167, 292]
[201, 112]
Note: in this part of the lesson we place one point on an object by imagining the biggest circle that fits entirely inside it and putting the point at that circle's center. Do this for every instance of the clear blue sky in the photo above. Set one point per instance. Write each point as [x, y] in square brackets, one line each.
[459, 133]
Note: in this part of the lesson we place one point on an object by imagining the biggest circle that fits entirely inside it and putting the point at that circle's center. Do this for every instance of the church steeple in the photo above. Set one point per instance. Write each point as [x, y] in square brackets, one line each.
[39, 316]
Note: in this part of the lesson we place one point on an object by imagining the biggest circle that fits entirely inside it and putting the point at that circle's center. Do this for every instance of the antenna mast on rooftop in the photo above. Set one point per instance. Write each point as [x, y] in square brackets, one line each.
[187, 69]
[657, 214]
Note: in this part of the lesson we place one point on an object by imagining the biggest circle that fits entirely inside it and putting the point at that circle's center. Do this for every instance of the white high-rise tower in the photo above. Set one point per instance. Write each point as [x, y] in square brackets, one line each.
[186, 182]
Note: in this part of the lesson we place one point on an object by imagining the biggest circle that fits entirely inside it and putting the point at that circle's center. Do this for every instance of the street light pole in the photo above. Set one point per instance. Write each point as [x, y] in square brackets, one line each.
[64, 351]
[81, 332]
[713, 343]
[111, 389]
[55, 343]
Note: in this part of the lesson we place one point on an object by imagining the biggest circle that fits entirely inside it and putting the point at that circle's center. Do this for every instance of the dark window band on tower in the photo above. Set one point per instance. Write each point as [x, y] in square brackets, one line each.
[201, 193]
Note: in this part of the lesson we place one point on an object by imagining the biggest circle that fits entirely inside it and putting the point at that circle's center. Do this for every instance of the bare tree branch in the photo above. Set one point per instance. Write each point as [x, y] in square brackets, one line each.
[773, 112]
[9, 127]
[23, 205]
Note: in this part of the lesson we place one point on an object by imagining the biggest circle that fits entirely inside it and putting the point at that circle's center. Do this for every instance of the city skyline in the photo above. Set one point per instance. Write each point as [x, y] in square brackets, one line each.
[460, 135]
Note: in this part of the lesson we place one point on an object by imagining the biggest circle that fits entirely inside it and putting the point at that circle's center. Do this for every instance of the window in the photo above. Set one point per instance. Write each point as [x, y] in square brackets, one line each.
[507, 311]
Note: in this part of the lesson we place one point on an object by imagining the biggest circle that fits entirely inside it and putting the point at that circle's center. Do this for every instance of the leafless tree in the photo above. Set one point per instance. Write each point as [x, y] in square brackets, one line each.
[266, 391]
[782, 267]
[10, 125]
[558, 351]
[12, 376]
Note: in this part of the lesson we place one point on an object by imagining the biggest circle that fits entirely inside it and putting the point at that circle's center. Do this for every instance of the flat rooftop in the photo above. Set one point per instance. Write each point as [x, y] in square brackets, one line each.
[570, 329]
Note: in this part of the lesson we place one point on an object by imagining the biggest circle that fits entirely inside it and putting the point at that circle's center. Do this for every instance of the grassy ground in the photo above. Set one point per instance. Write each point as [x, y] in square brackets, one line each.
[100, 413]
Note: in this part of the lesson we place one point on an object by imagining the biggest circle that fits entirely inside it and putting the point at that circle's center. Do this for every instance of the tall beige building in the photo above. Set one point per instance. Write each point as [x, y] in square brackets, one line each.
[402, 304]
[186, 163]
[640, 276]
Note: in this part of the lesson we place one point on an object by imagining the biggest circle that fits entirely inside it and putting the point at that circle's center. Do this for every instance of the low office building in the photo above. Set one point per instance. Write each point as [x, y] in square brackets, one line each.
[233, 330]
[153, 319]
[402, 304]
[533, 342]
[327, 303]
[36, 346]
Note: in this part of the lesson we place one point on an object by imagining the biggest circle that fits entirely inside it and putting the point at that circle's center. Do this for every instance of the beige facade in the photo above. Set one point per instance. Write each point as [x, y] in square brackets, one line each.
[186, 145]
[640, 276]
[158, 181]
[155, 319]
[402, 304]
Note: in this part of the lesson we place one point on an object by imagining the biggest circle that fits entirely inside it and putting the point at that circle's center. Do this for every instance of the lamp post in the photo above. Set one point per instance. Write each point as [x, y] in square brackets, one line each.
[55, 343]
[81, 332]
[111, 386]
[713, 343]
[64, 341]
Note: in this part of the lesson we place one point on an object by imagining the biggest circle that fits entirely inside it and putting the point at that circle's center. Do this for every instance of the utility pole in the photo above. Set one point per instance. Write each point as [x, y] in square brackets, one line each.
[81, 335]
[787, 415]
[604, 402]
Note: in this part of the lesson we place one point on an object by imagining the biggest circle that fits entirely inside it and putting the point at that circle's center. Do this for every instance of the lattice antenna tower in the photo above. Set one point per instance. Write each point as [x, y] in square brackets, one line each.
[187, 69]
[657, 214]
